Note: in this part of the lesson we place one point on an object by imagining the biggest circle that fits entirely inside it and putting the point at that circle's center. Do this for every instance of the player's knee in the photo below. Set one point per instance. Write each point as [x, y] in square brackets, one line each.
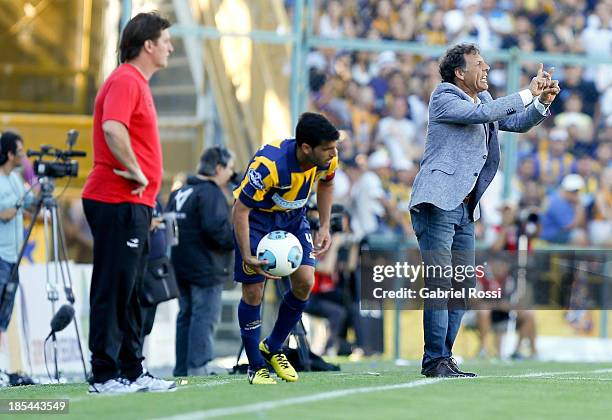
[302, 286]
[252, 293]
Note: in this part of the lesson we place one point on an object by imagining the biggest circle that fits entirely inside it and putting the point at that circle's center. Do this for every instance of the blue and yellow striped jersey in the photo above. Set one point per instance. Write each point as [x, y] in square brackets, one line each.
[274, 180]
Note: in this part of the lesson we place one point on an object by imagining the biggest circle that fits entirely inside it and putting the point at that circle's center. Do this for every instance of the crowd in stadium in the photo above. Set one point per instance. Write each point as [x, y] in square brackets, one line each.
[380, 101]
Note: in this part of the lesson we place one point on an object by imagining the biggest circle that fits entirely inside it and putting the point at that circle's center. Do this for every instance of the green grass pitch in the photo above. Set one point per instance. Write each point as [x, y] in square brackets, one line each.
[366, 390]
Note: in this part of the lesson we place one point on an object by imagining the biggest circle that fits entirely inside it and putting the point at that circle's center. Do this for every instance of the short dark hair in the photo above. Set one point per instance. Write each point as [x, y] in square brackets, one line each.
[212, 157]
[140, 28]
[455, 59]
[313, 129]
[8, 143]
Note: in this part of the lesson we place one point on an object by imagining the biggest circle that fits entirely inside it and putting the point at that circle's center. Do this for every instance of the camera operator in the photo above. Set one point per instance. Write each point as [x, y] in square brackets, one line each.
[202, 258]
[13, 198]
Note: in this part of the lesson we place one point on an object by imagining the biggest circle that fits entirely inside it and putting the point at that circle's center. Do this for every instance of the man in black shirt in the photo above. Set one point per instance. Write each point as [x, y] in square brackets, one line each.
[202, 259]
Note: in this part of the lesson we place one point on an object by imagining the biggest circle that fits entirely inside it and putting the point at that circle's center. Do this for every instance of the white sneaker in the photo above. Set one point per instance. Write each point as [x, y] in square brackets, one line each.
[153, 383]
[116, 386]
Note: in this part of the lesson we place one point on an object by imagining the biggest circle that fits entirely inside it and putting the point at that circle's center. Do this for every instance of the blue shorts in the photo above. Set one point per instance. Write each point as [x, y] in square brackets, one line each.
[260, 224]
[7, 293]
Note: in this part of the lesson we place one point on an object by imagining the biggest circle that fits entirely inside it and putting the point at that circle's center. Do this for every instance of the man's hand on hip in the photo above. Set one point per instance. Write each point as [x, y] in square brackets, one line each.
[137, 177]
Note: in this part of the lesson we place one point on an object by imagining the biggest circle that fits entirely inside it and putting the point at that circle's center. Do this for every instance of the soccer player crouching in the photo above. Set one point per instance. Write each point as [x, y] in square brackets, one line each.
[272, 196]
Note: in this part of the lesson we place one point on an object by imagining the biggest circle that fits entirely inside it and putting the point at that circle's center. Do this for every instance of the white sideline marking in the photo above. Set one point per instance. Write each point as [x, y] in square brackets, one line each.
[269, 405]
[539, 374]
[208, 384]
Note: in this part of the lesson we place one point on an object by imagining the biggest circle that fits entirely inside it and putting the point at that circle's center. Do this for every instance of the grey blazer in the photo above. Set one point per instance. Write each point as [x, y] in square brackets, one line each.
[457, 152]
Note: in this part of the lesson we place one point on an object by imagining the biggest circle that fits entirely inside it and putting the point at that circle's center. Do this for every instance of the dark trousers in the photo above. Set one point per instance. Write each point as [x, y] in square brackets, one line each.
[148, 319]
[199, 314]
[329, 306]
[8, 291]
[446, 238]
[120, 233]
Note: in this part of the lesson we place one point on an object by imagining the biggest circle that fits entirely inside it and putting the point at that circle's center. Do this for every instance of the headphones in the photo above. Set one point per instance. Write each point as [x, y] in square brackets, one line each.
[211, 158]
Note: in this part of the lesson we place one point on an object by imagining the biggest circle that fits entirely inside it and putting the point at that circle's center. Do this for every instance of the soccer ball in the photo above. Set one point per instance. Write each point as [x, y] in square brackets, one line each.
[283, 252]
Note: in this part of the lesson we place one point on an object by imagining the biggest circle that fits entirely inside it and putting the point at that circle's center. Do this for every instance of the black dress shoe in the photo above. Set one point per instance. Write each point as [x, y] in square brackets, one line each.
[453, 364]
[442, 369]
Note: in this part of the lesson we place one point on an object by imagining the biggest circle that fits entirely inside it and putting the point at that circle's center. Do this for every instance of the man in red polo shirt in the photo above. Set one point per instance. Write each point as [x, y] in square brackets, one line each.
[118, 200]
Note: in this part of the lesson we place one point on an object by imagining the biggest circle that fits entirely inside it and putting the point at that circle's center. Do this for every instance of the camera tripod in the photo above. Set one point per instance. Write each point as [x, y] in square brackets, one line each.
[55, 244]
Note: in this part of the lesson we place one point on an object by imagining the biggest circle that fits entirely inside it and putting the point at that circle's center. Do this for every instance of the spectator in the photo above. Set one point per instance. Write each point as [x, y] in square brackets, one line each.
[400, 189]
[567, 28]
[526, 172]
[333, 24]
[434, 32]
[385, 19]
[563, 221]
[507, 232]
[465, 25]
[364, 119]
[600, 229]
[384, 66]
[522, 28]
[555, 162]
[532, 196]
[397, 89]
[606, 105]
[404, 28]
[574, 82]
[369, 197]
[398, 134]
[573, 115]
[603, 154]
[597, 35]
[585, 167]
[361, 70]
[499, 21]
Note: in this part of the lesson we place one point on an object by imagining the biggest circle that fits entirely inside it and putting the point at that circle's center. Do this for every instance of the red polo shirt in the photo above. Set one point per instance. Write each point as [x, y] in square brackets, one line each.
[125, 97]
